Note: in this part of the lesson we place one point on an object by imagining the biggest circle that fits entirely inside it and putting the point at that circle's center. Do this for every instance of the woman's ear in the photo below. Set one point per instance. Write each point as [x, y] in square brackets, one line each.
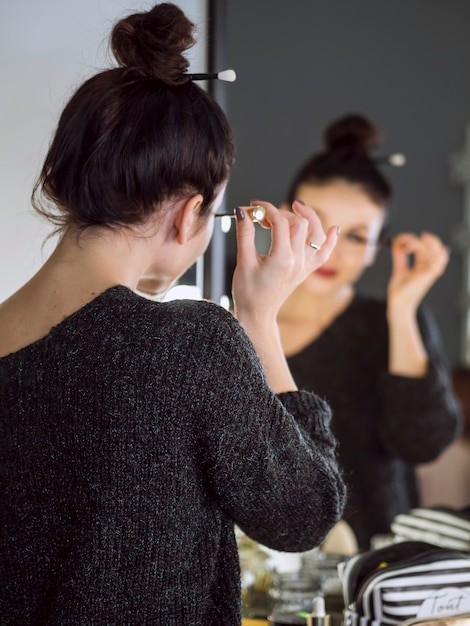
[187, 218]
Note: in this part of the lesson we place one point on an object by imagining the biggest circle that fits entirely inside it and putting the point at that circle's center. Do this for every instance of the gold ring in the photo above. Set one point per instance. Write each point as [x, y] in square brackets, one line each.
[313, 245]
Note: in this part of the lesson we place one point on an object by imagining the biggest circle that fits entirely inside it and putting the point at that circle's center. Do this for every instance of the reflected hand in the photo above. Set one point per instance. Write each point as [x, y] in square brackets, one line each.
[409, 284]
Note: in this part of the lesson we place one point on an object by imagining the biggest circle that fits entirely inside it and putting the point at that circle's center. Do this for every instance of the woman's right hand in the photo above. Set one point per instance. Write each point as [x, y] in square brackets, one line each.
[261, 283]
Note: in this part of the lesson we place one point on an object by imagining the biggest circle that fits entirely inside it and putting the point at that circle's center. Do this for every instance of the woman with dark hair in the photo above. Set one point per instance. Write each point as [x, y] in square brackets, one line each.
[136, 433]
[379, 364]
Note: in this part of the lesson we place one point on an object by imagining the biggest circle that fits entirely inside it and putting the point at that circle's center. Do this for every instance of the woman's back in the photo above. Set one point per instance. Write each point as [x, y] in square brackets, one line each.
[124, 463]
[99, 505]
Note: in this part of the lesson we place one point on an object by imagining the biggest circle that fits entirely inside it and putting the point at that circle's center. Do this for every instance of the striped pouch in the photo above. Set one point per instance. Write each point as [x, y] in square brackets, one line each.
[441, 526]
[405, 581]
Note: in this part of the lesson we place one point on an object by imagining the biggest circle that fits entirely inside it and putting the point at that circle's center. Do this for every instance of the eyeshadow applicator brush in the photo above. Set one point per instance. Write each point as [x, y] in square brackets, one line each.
[227, 75]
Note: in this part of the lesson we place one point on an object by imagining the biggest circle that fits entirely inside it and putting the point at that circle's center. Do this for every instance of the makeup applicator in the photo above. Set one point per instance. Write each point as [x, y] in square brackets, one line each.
[255, 212]
[397, 159]
[227, 75]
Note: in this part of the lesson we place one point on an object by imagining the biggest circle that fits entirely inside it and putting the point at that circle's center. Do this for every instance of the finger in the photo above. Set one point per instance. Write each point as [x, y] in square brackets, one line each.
[321, 256]
[400, 256]
[434, 245]
[299, 229]
[436, 255]
[245, 231]
[404, 239]
[281, 224]
[430, 256]
[406, 248]
[430, 253]
[418, 243]
[316, 233]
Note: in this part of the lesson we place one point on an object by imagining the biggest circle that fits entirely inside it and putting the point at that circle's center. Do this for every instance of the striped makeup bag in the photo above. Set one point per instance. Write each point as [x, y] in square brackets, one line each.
[410, 580]
[441, 526]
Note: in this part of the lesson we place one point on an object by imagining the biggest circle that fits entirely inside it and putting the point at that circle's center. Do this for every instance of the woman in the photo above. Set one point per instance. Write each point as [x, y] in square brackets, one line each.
[380, 364]
[136, 433]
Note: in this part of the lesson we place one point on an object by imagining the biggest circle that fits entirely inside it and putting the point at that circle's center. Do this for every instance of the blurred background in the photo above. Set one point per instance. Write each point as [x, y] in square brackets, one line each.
[299, 64]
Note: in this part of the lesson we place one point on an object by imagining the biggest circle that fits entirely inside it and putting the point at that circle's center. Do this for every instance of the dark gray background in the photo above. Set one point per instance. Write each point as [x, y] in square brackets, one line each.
[403, 63]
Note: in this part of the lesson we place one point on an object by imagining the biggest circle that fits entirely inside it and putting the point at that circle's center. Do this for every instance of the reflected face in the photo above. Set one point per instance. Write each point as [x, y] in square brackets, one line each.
[343, 204]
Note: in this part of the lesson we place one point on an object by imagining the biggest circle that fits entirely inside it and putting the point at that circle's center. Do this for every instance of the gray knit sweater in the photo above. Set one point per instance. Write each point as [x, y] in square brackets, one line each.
[132, 438]
[384, 424]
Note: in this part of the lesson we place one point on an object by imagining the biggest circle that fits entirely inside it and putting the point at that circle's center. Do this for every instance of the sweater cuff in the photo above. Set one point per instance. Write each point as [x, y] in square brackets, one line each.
[311, 412]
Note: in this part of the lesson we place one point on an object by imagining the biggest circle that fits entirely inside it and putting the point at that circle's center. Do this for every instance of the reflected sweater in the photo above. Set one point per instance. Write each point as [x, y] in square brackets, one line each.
[133, 437]
[384, 424]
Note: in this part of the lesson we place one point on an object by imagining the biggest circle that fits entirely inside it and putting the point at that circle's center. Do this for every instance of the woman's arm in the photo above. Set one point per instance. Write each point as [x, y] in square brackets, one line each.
[408, 285]
[270, 459]
[420, 415]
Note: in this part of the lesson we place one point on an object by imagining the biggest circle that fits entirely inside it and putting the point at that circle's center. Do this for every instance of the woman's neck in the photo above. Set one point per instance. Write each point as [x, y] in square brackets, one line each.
[80, 268]
[305, 316]
[96, 258]
[305, 305]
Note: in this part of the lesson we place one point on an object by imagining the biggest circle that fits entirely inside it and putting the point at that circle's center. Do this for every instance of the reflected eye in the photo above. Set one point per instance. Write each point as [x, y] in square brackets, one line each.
[357, 239]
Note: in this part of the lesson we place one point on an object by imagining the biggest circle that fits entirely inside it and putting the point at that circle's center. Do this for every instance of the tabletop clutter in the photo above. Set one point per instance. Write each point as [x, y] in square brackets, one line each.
[419, 574]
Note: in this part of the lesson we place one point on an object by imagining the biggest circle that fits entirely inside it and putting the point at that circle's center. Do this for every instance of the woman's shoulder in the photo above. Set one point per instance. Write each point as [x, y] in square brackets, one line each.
[193, 319]
[125, 299]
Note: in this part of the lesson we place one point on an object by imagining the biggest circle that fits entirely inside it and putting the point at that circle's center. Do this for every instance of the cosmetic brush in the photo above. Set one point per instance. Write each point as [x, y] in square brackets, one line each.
[227, 75]
[397, 159]
[255, 212]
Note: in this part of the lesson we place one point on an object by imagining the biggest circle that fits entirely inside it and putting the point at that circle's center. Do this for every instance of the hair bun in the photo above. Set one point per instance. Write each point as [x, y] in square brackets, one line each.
[352, 135]
[155, 42]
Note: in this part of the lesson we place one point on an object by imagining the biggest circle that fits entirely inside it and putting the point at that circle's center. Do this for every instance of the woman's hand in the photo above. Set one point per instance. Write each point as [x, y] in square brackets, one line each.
[407, 287]
[409, 284]
[261, 283]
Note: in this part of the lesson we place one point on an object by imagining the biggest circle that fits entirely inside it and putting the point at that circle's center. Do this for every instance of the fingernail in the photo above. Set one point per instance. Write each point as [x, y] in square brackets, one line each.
[300, 201]
[239, 213]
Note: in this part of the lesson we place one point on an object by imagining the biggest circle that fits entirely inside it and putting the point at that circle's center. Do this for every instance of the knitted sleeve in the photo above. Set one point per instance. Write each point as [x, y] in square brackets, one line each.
[420, 416]
[269, 460]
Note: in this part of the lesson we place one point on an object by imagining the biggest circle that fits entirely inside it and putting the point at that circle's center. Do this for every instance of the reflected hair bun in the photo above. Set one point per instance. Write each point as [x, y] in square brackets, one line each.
[155, 42]
[352, 135]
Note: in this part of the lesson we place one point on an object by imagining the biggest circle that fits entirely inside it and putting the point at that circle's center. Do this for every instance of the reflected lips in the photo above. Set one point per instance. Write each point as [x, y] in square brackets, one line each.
[325, 272]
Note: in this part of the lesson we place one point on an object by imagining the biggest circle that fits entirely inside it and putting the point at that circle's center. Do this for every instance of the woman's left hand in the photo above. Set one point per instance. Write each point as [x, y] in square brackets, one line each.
[410, 283]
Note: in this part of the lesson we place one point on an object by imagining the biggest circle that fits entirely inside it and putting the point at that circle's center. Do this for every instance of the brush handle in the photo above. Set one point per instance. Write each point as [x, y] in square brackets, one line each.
[256, 213]
[207, 76]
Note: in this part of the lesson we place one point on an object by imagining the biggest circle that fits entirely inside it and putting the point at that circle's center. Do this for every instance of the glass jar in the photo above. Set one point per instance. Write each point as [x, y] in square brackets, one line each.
[293, 592]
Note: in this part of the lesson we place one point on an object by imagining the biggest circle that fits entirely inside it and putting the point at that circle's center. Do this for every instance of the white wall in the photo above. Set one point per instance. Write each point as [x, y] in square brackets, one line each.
[47, 49]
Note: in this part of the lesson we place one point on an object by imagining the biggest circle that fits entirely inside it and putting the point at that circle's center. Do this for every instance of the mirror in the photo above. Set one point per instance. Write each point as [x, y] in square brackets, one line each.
[405, 65]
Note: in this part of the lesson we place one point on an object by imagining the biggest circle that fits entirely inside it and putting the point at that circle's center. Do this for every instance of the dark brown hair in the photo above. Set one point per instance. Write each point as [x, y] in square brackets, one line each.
[348, 143]
[136, 135]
